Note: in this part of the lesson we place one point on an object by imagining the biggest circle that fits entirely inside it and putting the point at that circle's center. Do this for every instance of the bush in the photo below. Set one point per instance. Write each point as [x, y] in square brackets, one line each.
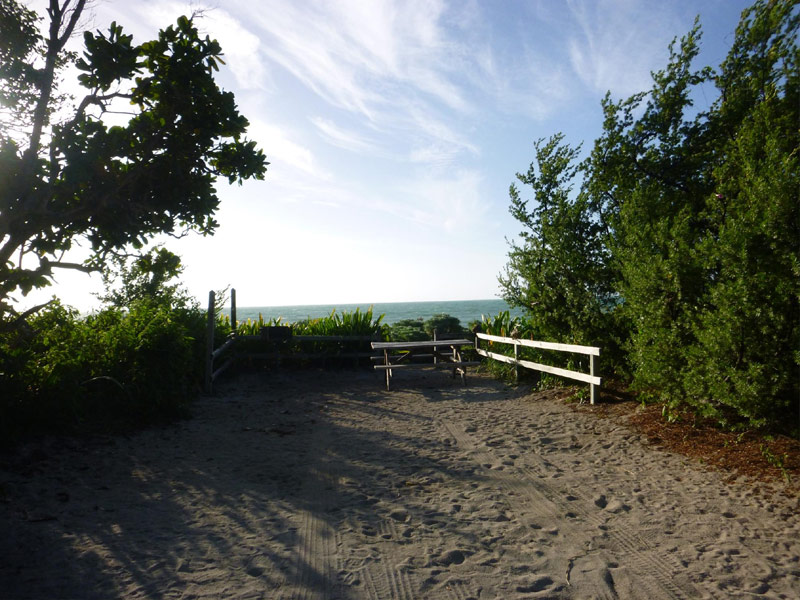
[417, 330]
[674, 245]
[112, 370]
[443, 324]
[408, 330]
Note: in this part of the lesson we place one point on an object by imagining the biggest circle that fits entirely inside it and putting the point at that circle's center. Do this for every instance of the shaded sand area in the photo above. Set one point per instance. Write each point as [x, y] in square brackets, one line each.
[315, 485]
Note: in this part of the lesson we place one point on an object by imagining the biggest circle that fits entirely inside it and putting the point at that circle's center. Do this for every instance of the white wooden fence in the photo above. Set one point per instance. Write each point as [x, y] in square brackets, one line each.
[590, 378]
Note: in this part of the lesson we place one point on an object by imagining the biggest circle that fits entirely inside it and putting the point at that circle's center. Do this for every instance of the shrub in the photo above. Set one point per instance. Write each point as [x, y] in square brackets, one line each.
[408, 330]
[443, 324]
[114, 369]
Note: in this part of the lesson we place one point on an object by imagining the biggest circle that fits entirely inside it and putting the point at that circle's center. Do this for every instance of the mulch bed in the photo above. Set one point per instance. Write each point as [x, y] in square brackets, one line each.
[768, 459]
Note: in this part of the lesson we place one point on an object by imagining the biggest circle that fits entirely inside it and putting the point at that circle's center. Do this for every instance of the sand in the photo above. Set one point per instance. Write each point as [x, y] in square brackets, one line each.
[316, 484]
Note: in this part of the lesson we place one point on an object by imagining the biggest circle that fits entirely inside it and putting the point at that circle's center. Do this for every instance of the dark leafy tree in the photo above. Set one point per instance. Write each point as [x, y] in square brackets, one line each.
[647, 177]
[559, 271]
[745, 360]
[146, 277]
[689, 222]
[78, 178]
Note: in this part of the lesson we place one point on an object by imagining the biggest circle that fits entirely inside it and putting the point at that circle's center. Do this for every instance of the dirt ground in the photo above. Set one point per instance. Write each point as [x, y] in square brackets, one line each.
[318, 484]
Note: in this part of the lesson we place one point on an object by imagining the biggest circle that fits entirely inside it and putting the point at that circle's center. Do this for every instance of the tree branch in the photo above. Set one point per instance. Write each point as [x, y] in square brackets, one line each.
[74, 266]
[73, 19]
[55, 44]
[19, 319]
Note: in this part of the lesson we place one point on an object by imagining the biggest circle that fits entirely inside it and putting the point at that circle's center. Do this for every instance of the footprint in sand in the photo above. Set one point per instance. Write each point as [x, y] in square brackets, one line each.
[535, 585]
[451, 557]
[401, 516]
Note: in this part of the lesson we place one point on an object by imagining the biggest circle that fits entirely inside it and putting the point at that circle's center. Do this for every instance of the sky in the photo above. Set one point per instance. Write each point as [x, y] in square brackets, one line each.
[394, 130]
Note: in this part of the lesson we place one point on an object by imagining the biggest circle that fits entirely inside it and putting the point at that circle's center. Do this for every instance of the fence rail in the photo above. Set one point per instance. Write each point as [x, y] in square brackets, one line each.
[591, 351]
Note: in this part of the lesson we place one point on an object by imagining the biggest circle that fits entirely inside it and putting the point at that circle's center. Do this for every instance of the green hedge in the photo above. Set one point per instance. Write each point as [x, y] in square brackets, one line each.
[112, 370]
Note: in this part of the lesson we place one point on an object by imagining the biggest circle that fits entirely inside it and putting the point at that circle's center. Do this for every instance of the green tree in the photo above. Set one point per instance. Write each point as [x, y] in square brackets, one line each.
[559, 270]
[689, 223]
[703, 214]
[143, 277]
[745, 360]
[647, 177]
[67, 179]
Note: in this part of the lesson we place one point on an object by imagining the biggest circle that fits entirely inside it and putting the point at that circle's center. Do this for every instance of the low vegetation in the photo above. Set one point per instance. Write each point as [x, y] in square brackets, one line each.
[137, 360]
[411, 330]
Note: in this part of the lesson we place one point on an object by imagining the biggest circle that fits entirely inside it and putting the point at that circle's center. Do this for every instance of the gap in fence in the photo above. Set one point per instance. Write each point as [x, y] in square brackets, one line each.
[282, 335]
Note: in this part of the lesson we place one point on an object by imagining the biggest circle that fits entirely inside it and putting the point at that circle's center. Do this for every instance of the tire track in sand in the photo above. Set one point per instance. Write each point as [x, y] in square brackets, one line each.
[312, 576]
[533, 499]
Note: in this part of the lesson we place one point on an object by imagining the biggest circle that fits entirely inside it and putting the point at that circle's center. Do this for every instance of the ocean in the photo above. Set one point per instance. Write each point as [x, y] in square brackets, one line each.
[464, 310]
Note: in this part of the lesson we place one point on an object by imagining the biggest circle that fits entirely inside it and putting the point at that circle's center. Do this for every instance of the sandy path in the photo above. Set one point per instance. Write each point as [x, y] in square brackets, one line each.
[318, 485]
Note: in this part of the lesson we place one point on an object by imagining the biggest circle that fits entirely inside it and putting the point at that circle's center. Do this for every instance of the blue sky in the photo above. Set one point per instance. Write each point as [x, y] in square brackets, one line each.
[394, 130]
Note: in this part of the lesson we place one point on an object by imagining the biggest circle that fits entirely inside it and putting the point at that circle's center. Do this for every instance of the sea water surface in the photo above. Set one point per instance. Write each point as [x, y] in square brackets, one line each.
[464, 310]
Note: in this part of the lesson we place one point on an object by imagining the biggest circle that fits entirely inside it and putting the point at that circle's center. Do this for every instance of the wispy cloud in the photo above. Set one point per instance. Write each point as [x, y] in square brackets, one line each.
[242, 51]
[442, 204]
[283, 151]
[433, 140]
[341, 138]
[531, 84]
[453, 204]
[387, 62]
[617, 43]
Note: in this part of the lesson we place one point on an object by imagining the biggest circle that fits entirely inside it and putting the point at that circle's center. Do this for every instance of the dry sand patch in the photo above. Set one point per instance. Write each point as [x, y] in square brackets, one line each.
[323, 485]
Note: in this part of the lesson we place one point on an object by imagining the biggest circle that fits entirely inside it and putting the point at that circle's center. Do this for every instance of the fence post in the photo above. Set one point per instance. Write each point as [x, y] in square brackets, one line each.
[434, 348]
[210, 344]
[233, 310]
[591, 385]
[516, 362]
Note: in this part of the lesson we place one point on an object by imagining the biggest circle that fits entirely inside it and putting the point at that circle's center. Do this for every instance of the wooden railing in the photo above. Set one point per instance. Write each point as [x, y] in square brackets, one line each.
[213, 355]
[590, 378]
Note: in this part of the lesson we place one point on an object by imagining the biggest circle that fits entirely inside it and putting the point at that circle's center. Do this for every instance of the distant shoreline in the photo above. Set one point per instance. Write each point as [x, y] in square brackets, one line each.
[464, 310]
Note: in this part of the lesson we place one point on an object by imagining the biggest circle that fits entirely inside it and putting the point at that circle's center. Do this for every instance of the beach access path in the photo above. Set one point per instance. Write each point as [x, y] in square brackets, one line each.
[314, 485]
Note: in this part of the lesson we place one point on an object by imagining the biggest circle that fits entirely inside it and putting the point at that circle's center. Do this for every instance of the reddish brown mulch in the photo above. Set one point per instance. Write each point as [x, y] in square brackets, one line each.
[765, 459]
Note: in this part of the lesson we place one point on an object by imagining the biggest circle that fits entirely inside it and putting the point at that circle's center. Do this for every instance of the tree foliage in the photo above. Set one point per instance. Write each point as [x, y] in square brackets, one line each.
[558, 270]
[68, 173]
[148, 276]
[116, 368]
[688, 222]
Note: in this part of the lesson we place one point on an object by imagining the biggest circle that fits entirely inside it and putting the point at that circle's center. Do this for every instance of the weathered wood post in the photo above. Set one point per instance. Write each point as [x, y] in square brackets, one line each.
[210, 344]
[516, 362]
[435, 333]
[233, 310]
[591, 385]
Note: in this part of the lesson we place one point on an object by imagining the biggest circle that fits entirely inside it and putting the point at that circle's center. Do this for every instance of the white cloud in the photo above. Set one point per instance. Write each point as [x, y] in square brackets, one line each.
[241, 48]
[383, 61]
[618, 43]
[442, 204]
[453, 204]
[531, 84]
[434, 140]
[282, 150]
[341, 138]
